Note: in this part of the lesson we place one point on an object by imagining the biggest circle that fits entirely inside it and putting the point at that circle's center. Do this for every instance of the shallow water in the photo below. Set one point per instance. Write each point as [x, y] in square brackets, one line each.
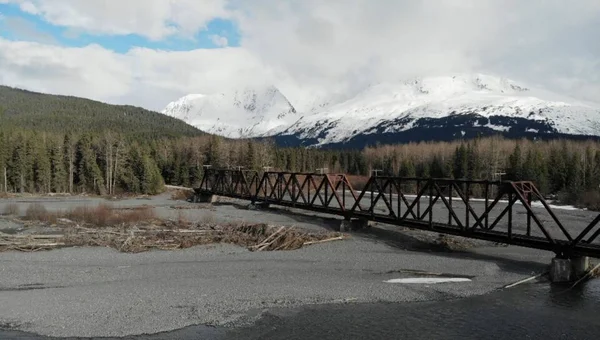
[534, 311]
[537, 311]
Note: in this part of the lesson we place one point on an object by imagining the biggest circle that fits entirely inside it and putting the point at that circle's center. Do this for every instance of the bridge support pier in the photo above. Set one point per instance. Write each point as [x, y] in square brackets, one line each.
[567, 270]
[205, 198]
[259, 206]
[353, 224]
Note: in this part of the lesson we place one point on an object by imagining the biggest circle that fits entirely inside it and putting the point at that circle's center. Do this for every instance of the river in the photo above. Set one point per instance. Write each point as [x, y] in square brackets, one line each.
[529, 311]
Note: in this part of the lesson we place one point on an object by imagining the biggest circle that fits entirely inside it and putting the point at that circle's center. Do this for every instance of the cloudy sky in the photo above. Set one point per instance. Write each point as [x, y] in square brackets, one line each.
[150, 52]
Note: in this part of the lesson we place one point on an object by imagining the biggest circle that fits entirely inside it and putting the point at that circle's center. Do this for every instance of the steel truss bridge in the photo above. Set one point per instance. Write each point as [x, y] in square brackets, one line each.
[504, 212]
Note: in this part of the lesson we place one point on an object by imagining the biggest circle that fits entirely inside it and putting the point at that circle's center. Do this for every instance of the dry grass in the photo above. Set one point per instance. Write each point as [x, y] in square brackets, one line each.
[11, 209]
[181, 195]
[106, 215]
[102, 215]
[38, 212]
[358, 182]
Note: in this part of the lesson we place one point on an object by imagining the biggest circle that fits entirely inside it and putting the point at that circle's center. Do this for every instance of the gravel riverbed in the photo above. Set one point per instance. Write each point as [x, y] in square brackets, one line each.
[99, 292]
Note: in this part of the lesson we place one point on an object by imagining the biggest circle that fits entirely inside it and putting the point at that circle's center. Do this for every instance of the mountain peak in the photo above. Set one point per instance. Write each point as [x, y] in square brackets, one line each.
[237, 113]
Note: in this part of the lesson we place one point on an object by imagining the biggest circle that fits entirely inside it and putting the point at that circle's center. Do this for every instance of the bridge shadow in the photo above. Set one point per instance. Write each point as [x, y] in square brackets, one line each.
[401, 239]
[328, 222]
[241, 206]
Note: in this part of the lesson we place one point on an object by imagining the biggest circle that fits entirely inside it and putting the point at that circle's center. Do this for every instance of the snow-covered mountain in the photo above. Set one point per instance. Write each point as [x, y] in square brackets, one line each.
[433, 108]
[249, 112]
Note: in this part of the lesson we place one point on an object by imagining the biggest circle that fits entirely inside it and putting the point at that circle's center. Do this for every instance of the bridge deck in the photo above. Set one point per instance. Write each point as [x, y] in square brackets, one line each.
[505, 212]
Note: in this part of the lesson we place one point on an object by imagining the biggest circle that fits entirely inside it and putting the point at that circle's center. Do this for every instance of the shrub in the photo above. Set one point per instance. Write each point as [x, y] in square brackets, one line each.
[37, 212]
[136, 215]
[11, 209]
[591, 200]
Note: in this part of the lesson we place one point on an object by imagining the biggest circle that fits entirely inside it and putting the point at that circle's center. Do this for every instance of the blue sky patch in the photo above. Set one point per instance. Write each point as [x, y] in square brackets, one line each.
[18, 25]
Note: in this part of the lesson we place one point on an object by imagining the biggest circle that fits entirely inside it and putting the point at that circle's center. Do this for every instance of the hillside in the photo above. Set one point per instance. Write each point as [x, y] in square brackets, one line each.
[54, 113]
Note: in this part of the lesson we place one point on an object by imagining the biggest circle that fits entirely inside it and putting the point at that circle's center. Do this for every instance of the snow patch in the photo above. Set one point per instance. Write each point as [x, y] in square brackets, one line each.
[535, 204]
[428, 280]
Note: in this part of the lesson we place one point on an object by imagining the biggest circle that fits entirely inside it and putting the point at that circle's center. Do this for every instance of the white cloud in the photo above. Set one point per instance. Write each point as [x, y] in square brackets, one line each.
[142, 76]
[25, 30]
[219, 40]
[362, 41]
[90, 72]
[155, 19]
[311, 47]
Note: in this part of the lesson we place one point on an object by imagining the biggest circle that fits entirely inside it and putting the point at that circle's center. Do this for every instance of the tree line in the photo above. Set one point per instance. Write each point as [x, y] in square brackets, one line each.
[111, 163]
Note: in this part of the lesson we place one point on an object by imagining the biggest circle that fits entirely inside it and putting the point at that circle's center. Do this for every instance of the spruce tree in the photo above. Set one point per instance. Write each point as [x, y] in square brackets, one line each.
[461, 165]
[59, 174]
[4, 149]
[515, 167]
[69, 160]
[42, 169]
[557, 169]
[18, 164]
[212, 151]
[250, 157]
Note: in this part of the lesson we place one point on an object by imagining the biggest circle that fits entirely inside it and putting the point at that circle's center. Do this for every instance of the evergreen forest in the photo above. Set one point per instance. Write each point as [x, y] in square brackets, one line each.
[71, 145]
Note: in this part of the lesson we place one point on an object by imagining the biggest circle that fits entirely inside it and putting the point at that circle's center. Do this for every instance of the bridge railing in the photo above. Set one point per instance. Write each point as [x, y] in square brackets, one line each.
[506, 212]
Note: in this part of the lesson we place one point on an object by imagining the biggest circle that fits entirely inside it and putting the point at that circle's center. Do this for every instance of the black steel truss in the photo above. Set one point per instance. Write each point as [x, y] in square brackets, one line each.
[495, 211]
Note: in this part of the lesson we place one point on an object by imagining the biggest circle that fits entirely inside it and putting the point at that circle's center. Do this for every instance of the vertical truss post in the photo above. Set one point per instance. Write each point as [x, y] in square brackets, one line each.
[449, 204]
[510, 214]
[467, 211]
[529, 213]
[487, 204]
[418, 198]
[430, 183]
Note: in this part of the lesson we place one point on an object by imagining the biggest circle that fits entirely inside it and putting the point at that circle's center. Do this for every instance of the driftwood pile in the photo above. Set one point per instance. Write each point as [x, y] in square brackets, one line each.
[167, 236]
[30, 242]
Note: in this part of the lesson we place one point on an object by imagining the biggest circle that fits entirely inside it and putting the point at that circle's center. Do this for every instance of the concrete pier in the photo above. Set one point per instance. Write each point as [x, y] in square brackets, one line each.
[353, 224]
[205, 198]
[568, 270]
[258, 206]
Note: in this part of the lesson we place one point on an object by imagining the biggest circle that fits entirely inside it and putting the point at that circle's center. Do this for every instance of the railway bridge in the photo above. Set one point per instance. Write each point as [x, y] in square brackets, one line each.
[506, 212]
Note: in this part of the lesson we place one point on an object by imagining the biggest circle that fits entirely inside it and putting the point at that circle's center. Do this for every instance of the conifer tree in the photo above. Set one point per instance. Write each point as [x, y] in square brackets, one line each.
[461, 165]
[4, 149]
[42, 169]
[59, 174]
[515, 167]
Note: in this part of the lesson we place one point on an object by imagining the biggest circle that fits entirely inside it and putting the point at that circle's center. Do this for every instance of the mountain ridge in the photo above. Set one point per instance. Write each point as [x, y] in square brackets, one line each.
[455, 106]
